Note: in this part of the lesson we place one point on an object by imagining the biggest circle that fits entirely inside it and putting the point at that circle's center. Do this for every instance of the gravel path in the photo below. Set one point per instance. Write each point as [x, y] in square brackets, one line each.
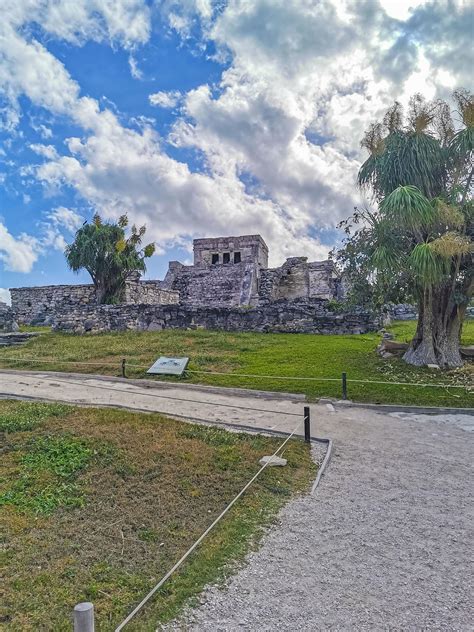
[384, 544]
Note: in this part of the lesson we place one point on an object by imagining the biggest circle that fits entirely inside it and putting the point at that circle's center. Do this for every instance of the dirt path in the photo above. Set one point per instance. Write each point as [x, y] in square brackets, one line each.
[384, 544]
[233, 406]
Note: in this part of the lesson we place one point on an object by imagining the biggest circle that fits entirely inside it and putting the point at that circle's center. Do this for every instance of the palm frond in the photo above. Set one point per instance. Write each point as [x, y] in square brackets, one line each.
[462, 143]
[407, 206]
[384, 259]
[426, 265]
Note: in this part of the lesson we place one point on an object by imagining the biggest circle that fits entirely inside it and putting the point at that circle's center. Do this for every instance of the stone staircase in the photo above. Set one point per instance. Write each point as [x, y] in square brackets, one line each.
[15, 338]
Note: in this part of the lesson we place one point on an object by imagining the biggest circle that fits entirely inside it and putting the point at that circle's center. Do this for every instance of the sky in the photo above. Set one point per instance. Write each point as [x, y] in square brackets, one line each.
[202, 118]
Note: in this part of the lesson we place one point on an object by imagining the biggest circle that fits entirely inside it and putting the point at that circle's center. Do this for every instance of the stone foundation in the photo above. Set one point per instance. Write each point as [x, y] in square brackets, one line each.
[279, 317]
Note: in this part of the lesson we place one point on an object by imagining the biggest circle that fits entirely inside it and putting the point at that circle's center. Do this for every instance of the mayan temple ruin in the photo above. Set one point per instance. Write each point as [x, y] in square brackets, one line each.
[229, 286]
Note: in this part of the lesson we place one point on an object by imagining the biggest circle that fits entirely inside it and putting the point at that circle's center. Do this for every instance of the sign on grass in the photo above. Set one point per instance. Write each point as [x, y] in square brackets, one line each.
[169, 366]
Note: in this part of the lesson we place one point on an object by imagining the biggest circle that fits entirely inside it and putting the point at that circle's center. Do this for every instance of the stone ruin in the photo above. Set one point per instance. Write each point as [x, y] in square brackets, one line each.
[229, 286]
[10, 334]
[7, 319]
[233, 271]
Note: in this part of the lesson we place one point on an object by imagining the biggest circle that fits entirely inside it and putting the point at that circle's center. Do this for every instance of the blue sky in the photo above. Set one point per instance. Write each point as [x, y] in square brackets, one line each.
[202, 118]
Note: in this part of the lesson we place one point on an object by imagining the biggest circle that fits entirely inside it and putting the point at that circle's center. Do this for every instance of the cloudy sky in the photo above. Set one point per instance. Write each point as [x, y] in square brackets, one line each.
[202, 118]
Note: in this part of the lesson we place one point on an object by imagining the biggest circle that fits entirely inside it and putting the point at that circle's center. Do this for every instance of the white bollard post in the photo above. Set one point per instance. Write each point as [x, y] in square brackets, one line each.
[84, 617]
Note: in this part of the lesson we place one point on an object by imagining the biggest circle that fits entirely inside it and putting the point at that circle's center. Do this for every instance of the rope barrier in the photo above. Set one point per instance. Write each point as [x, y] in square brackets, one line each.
[201, 538]
[246, 375]
[328, 379]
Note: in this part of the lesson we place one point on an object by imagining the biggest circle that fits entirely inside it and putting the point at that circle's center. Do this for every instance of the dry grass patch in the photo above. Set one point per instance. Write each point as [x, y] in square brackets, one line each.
[112, 499]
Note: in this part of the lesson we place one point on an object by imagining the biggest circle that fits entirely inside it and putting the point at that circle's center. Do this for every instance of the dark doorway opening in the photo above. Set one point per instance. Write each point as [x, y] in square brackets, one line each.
[226, 257]
[237, 257]
[215, 258]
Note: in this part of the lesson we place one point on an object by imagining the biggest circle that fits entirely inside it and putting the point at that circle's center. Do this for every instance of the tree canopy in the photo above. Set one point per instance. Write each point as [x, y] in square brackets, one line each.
[109, 256]
[417, 241]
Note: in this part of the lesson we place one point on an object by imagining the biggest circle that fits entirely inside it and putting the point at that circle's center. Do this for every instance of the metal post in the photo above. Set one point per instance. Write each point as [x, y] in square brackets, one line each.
[84, 617]
[307, 425]
[123, 368]
[344, 386]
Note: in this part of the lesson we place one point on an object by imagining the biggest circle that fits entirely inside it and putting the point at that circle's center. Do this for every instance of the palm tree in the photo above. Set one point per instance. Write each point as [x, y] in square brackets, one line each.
[420, 175]
[110, 258]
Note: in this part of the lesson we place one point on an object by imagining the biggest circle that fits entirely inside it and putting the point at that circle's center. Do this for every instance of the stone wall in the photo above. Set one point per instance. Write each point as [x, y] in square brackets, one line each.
[402, 311]
[220, 285]
[250, 249]
[36, 305]
[282, 317]
[149, 292]
[406, 311]
[7, 321]
[296, 279]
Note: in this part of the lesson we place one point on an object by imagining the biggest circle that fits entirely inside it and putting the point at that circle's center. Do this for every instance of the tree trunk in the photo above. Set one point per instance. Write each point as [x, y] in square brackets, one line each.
[100, 291]
[438, 333]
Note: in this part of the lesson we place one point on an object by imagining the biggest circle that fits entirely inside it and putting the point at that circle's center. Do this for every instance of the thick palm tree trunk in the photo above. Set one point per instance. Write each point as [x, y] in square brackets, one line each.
[438, 333]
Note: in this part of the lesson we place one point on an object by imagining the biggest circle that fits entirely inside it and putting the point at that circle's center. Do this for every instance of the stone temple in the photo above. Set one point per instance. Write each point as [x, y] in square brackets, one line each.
[229, 287]
[227, 272]
[233, 271]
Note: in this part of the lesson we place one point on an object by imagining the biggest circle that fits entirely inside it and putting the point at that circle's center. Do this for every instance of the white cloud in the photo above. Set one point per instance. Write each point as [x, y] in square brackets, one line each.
[165, 99]
[304, 82]
[124, 21]
[400, 9]
[120, 170]
[45, 132]
[29, 69]
[47, 151]
[278, 135]
[134, 69]
[18, 254]
[53, 238]
[5, 295]
[66, 218]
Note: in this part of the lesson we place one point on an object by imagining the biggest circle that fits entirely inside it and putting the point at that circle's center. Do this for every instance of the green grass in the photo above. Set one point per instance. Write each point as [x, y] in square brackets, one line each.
[288, 355]
[47, 473]
[17, 416]
[112, 499]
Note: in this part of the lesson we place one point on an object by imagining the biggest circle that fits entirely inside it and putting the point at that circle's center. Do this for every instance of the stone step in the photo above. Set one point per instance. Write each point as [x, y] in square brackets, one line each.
[15, 338]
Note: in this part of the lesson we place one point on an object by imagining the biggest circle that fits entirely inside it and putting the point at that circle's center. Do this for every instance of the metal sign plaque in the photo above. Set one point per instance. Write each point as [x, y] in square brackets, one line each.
[169, 366]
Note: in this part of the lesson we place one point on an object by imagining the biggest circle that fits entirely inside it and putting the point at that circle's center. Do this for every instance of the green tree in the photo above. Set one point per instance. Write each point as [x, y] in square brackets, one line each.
[108, 255]
[418, 242]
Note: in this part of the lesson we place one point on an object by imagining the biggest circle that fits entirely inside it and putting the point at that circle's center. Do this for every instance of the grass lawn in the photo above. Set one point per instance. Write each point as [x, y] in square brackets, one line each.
[289, 355]
[97, 505]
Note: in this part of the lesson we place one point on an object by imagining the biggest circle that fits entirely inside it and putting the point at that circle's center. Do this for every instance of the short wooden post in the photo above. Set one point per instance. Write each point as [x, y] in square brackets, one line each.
[307, 425]
[84, 617]
[123, 368]
[344, 386]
